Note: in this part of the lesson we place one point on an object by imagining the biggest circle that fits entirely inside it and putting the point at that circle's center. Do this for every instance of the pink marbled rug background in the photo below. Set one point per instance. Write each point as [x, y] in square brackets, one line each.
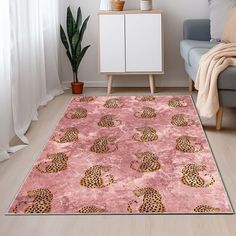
[163, 189]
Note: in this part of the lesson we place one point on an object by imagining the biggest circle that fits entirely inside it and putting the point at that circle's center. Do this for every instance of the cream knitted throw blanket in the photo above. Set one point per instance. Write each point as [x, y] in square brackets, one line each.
[211, 65]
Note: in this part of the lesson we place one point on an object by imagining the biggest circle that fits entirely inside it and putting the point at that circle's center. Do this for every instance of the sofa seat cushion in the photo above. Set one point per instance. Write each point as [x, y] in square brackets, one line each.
[227, 79]
[195, 56]
[186, 46]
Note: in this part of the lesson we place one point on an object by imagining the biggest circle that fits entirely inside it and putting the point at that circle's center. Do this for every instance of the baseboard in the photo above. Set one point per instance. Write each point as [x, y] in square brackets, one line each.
[103, 84]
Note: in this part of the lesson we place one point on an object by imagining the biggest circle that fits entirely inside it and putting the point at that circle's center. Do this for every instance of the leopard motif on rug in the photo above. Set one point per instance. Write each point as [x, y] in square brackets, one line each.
[149, 162]
[206, 209]
[41, 203]
[58, 163]
[113, 103]
[93, 177]
[146, 112]
[91, 209]
[181, 120]
[152, 201]
[109, 121]
[145, 134]
[192, 178]
[85, 99]
[145, 98]
[68, 135]
[177, 102]
[104, 144]
[188, 144]
[78, 113]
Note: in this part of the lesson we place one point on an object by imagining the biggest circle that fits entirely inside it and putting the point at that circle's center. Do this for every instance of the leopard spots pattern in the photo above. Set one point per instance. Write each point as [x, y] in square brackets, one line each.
[93, 177]
[145, 98]
[187, 144]
[206, 209]
[104, 144]
[152, 201]
[145, 134]
[113, 103]
[146, 112]
[86, 99]
[41, 203]
[78, 113]
[91, 209]
[149, 162]
[192, 178]
[69, 135]
[109, 121]
[180, 120]
[176, 102]
[58, 163]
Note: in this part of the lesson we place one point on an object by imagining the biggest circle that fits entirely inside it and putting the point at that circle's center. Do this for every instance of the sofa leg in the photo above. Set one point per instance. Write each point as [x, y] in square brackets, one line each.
[219, 117]
[190, 85]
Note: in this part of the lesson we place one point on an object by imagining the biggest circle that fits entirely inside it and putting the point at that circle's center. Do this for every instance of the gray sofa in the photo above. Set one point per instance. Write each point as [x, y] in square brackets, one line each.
[196, 42]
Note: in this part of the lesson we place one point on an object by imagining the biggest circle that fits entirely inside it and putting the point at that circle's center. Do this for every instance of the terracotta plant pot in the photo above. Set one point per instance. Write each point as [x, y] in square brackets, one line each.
[117, 5]
[77, 87]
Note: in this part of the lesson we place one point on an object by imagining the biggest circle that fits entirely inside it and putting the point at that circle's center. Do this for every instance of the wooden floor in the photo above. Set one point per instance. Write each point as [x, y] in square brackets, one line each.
[14, 171]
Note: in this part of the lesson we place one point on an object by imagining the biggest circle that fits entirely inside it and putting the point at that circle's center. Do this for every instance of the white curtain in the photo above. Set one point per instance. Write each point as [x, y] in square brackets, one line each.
[28, 65]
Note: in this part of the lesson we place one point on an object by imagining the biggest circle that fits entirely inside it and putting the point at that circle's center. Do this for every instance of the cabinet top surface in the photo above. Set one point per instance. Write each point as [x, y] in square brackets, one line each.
[154, 11]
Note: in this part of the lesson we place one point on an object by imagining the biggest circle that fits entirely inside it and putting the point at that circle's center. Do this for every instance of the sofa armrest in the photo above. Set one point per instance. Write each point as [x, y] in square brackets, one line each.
[198, 29]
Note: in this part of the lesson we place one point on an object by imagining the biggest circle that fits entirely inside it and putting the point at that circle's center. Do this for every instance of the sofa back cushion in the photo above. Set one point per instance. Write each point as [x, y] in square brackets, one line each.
[229, 34]
[219, 11]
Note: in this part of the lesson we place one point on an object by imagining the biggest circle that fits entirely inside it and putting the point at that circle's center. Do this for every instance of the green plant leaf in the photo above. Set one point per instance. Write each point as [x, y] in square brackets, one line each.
[78, 50]
[70, 24]
[81, 55]
[63, 38]
[83, 28]
[69, 56]
[78, 19]
[74, 42]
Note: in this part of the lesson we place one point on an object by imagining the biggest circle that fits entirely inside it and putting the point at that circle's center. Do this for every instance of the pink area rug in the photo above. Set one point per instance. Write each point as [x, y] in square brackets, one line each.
[125, 155]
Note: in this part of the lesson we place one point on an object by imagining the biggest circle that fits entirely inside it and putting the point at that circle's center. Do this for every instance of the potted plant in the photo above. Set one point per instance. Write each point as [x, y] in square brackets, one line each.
[73, 45]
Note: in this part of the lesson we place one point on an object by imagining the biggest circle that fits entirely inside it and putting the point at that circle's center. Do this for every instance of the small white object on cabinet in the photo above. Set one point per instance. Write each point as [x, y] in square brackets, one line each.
[131, 42]
[145, 5]
[105, 5]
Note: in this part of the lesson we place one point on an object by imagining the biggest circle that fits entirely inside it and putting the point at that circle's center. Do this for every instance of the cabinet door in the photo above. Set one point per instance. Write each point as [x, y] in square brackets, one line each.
[112, 43]
[143, 43]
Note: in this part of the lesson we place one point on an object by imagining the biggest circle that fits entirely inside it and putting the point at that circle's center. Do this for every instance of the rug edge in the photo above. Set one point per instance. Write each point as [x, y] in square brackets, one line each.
[38, 156]
[213, 155]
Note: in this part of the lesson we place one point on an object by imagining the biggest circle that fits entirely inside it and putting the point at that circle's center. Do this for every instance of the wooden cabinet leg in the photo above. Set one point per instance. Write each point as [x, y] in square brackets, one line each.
[109, 84]
[152, 83]
[219, 117]
[190, 85]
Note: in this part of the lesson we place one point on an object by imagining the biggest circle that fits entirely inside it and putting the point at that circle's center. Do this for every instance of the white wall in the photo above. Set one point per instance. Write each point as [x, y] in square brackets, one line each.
[175, 12]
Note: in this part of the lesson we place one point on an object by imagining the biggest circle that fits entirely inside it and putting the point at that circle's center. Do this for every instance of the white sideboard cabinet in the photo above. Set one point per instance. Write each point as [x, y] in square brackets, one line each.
[131, 42]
